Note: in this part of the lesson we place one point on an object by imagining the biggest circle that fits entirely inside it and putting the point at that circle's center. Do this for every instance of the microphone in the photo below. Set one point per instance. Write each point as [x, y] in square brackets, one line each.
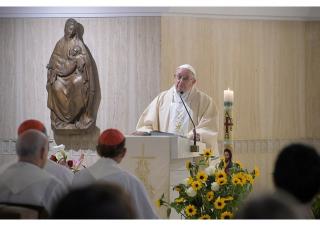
[194, 147]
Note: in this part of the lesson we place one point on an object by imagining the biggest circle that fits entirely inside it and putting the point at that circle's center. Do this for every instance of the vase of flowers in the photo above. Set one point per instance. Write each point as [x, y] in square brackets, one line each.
[211, 191]
[62, 158]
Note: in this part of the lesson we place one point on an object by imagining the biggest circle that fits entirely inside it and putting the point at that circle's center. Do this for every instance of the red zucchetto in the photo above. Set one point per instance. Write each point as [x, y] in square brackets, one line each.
[111, 137]
[31, 124]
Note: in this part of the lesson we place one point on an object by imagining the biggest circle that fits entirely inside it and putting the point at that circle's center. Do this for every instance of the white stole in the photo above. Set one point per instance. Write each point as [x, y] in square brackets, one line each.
[178, 116]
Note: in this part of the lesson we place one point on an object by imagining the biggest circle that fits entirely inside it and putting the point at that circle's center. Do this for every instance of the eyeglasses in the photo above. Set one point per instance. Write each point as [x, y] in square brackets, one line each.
[181, 78]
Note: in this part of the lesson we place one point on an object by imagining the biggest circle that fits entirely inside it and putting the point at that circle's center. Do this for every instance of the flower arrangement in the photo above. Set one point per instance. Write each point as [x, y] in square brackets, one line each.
[316, 207]
[61, 158]
[211, 192]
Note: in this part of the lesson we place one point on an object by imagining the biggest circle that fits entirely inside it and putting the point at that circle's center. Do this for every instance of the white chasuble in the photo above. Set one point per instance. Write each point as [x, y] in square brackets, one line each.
[159, 116]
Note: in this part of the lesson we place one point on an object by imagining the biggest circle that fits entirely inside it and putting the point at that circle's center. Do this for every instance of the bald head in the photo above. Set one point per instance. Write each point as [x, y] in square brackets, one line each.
[32, 146]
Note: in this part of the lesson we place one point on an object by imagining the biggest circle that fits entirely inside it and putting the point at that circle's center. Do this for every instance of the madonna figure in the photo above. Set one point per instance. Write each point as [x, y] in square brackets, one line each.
[72, 82]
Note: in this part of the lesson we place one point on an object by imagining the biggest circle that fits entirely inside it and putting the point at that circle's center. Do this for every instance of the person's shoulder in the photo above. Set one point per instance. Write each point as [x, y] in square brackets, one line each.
[48, 176]
[53, 165]
[49, 181]
[82, 172]
[202, 95]
[60, 172]
[133, 178]
[200, 92]
[163, 93]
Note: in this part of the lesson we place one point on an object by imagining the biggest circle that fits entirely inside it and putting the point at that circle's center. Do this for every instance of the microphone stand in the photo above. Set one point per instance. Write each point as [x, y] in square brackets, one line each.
[194, 147]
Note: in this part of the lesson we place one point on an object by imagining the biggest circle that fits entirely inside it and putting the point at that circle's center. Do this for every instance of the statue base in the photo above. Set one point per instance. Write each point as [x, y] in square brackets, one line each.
[77, 139]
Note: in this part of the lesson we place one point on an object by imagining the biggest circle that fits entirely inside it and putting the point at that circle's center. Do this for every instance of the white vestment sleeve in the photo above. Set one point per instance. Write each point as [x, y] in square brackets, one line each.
[149, 120]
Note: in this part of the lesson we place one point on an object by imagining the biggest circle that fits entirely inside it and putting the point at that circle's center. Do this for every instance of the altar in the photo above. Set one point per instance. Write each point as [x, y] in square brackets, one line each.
[159, 162]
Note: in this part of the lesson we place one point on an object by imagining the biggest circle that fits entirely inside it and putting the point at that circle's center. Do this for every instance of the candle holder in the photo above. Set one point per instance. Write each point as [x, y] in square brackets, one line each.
[228, 120]
[228, 123]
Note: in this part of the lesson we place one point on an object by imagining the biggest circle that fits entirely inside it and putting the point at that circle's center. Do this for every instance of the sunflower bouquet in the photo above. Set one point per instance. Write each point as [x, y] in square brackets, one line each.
[211, 192]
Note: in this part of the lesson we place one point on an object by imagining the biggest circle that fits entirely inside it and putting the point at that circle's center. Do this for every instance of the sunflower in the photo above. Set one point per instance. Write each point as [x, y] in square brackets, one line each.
[226, 215]
[202, 176]
[190, 180]
[220, 174]
[188, 165]
[241, 177]
[207, 152]
[158, 202]
[210, 195]
[256, 171]
[222, 181]
[219, 203]
[190, 210]
[179, 200]
[205, 217]
[249, 178]
[196, 185]
[235, 180]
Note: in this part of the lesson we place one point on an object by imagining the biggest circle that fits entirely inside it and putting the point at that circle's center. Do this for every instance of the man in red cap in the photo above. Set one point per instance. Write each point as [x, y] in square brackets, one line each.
[62, 173]
[111, 148]
[32, 124]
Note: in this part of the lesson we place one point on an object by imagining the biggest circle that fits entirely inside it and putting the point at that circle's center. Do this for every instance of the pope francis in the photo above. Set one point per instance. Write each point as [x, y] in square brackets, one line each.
[166, 112]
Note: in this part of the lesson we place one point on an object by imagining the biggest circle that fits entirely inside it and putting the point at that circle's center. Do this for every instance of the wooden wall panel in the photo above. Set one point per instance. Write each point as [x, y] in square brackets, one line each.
[313, 79]
[273, 68]
[126, 51]
[262, 61]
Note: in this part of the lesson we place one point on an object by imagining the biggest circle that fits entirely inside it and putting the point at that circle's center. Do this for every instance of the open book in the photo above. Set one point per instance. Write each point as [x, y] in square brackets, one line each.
[159, 133]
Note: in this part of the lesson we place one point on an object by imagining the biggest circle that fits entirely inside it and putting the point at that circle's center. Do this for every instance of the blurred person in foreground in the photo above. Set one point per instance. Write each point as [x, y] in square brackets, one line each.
[96, 201]
[270, 206]
[297, 172]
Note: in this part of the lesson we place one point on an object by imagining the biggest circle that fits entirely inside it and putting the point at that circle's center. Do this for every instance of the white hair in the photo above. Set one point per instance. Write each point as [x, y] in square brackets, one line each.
[189, 67]
[30, 143]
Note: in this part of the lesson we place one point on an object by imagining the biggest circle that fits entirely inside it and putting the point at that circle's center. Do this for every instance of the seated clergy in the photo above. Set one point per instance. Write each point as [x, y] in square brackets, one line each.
[64, 174]
[25, 182]
[111, 149]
